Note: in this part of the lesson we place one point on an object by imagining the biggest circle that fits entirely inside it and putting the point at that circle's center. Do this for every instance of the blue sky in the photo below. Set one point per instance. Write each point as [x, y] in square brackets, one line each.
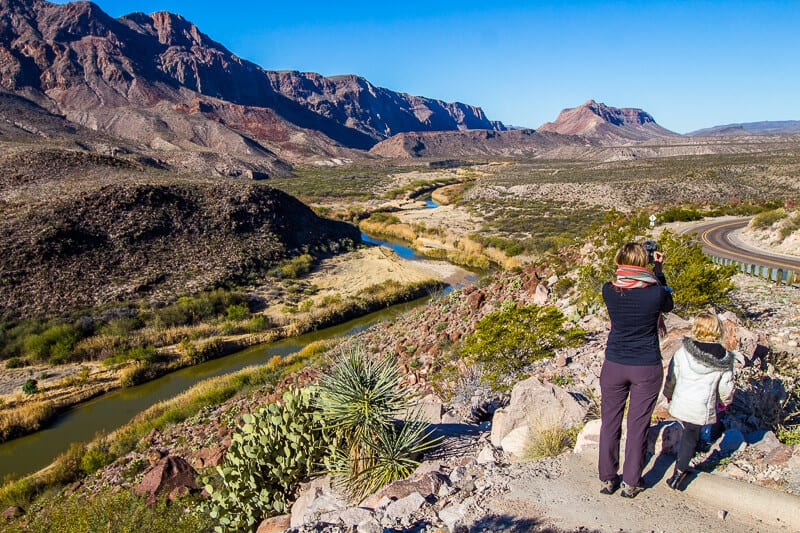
[689, 64]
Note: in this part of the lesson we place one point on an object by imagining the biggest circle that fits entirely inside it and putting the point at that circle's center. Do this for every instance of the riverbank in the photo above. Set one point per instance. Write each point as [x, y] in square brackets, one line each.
[346, 286]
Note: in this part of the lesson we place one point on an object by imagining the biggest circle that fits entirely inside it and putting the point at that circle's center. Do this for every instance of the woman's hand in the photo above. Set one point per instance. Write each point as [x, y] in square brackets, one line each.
[658, 261]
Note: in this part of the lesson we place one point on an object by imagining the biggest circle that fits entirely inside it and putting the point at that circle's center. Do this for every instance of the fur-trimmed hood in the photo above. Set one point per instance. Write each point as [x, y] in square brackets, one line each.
[707, 359]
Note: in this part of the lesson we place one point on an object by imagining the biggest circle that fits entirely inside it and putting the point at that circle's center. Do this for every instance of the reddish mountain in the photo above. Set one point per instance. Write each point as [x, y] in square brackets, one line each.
[158, 80]
[607, 124]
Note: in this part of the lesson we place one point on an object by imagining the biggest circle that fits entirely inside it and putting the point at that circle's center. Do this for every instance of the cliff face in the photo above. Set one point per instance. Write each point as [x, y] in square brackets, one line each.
[606, 124]
[77, 60]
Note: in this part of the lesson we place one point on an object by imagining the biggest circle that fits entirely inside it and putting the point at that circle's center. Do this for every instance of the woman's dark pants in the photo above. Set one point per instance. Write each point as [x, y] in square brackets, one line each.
[617, 382]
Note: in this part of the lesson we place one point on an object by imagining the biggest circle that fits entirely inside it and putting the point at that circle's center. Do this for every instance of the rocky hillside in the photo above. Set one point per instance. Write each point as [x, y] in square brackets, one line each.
[158, 80]
[608, 125]
[148, 239]
[513, 143]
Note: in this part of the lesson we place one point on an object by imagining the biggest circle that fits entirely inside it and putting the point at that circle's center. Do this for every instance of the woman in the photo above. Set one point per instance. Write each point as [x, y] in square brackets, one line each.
[632, 366]
[699, 382]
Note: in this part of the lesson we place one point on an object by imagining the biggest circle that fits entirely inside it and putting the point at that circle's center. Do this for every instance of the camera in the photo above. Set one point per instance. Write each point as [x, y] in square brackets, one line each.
[650, 247]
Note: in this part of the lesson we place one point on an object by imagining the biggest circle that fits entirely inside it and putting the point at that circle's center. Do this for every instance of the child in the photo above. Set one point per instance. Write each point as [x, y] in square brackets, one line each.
[700, 376]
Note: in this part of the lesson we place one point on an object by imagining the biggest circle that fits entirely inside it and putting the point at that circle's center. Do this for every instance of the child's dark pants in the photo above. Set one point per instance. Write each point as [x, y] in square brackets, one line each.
[686, 449]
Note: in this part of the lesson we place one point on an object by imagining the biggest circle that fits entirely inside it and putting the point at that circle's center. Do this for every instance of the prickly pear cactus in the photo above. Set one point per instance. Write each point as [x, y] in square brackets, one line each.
[273, 450]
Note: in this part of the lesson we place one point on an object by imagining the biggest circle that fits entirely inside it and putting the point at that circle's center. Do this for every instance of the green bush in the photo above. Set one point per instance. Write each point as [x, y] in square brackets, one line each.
[94, 459]
[296, 267]
[275, 449]
[15, 362]
[696, 280]
[55, 344]
[30, 386]
[257, 323]
[237, 312]
[137, 374]
[767, 218]
[505, 342]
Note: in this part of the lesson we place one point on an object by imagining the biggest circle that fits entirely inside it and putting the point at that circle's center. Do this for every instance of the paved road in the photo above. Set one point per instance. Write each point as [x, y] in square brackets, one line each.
[719, 238]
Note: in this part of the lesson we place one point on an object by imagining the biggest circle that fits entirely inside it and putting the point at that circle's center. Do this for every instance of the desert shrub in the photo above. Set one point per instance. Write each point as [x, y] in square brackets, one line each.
[139, 372]
[193, 309]
[271, 453]
[95, 458]
[30, 386]
[120, 511]
[15, 362]
[505, 342]
[296, 267]
[791, 225]
[360, 397]
[549, 440]
[383, 218]
[55, 344]
[123, 326]
[237, 312]
[26, 418]
[767, 218]
[201, 351]
[257, 323]
[679, 214]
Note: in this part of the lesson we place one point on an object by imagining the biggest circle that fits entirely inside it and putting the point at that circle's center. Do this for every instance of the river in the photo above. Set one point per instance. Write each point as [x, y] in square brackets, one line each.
[110, 411]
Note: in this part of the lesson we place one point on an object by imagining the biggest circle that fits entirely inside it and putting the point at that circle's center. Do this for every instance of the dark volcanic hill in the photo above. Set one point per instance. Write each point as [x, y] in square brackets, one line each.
[158, 80]
[607, 124]
[768, 127]
[128, 241]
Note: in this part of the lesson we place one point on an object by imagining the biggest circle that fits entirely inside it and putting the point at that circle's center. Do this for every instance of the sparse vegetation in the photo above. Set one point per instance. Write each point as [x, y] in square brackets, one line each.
[507, 341]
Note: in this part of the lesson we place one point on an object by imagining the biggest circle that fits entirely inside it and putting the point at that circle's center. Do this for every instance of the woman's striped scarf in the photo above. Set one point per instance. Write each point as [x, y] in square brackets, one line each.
[635, 277]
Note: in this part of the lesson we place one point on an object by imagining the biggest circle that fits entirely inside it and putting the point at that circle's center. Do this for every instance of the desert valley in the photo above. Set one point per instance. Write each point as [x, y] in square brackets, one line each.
[172, 211]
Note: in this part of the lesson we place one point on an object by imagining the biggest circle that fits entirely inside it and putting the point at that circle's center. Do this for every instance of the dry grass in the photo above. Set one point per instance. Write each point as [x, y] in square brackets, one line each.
[25, 418]
[548, 438]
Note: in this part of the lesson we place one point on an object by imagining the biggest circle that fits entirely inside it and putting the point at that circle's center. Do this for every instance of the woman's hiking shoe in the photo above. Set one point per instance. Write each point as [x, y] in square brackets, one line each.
[610, 487]
[630, 491]
[676, 479]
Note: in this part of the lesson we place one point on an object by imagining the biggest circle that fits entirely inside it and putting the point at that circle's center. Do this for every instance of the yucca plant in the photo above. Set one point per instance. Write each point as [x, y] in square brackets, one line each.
[361, 401]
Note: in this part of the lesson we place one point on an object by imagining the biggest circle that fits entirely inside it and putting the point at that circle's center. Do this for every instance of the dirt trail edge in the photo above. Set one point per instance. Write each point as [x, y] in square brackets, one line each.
[573, 502]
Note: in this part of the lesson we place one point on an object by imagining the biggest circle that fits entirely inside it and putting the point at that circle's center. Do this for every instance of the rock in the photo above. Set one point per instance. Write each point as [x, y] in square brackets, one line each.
[734, 472]
[208, 457]
[486, 455]
[169, 474]
[428, 466]
[779, 456]
[457, 474]
[732, 440]
[426, 484]
[475, 300]
[561, 360]
[12, 512]
[516, 441]
[355, 515]
[454, 517]
[589, 437]
[722, 514]
[664, 438]
[405, 506]
[533, 403]
[541, 295]
[763, 441]
[430, 409]
[275, 524]
[317, 499]
[369, 526]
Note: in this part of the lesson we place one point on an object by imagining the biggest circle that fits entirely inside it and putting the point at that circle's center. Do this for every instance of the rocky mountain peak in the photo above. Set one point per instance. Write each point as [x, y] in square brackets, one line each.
[612, 124]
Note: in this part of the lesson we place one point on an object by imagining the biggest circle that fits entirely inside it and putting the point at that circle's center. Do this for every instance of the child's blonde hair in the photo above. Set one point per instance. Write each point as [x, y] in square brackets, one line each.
[631, 253]
[707, 327]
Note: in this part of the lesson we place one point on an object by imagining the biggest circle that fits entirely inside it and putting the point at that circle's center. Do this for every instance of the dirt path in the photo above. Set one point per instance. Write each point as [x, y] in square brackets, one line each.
[572, 501]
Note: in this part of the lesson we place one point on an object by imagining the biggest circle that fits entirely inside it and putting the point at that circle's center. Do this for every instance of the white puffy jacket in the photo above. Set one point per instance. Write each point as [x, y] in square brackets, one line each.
[696, 382]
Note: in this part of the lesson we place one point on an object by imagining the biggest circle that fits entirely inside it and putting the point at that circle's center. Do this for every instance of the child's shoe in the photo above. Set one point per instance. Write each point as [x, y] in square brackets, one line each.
[677, 478]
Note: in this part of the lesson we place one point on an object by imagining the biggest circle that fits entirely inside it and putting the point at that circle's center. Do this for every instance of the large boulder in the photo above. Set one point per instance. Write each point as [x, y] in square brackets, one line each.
[172, 475]
[533, 406]
[426, 483]
[317, 501]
